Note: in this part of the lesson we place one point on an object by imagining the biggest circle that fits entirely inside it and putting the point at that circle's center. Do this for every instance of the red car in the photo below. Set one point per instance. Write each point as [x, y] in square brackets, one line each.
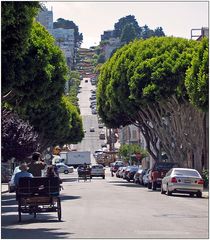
[158, 172]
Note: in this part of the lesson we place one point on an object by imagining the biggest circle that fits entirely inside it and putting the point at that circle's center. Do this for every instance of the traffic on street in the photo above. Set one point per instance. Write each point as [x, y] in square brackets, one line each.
[109, 208]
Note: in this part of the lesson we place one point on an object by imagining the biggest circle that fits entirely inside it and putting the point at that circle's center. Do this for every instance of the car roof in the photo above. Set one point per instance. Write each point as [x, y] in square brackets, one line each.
[186, 169]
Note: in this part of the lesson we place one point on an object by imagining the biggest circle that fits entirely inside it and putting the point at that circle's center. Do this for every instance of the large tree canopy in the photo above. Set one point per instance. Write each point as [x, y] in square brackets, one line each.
[128, 33]
[197, 79]
[144, 82]
[42, 73]
[40, 98]
[16, 22]
[128, 20]
[37, 83]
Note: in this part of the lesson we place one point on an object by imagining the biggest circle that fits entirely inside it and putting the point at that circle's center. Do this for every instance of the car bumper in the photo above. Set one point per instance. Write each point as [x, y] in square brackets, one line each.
[185, 188]
[97, 174]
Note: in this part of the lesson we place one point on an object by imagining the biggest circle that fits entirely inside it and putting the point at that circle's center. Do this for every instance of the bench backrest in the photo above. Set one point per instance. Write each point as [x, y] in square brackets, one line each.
[38, 186]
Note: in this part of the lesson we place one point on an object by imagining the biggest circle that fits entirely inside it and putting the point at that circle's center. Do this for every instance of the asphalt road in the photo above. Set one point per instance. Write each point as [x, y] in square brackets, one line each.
[107, 208]
[110, 208]
[91, 141]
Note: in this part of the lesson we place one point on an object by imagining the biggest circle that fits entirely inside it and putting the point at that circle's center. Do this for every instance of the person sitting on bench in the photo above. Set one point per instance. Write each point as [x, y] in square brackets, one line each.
[23, 167]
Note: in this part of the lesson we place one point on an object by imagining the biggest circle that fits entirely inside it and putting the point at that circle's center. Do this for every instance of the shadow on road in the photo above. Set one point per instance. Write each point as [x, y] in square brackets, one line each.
[27, 233]
[12, 229]
[125, 184]
[65, 197]
[69, 179]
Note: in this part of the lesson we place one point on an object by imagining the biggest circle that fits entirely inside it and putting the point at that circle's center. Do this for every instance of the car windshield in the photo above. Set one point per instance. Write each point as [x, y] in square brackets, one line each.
[98, 166]
[134, 168]
[187, 173]
[164, 166]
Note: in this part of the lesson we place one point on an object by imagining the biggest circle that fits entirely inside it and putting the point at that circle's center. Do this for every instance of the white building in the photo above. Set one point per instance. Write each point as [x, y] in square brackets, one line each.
[65, 40]
[131, 135]
[45, 17]
[110, 46]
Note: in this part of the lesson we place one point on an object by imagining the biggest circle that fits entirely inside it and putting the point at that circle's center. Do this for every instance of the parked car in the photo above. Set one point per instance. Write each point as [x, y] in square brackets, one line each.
[137, 174]
[118, 172]
[94, 111]
[98, 171]
[93, 103]
[92, 129]
[102, 135]
[115, 165]
[158, 172]
[92, 98]
[127, 169]
[100, 125]
[121, 172]
[11, 183]
[141, 176]
[182, 180]
[103, 145]
[63, 168]
[131, 172]
[145, 178]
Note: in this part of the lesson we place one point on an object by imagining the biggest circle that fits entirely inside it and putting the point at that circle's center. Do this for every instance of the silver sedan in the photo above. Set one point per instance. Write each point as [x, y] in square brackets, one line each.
[182, 180]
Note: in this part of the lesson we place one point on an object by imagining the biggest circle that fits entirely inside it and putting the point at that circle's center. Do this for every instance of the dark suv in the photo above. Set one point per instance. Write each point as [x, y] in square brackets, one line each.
[158, 172]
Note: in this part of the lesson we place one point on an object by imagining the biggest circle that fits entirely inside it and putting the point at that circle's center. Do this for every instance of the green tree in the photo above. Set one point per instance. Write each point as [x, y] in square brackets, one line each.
[101, 58]
[16, 23]
[39, 97]
[58, 124]
[158, 32]
[144, 83]
[122, 22]
[42, 72]
[128, 152]
[128, 33]
[147, 32]
[197, 78]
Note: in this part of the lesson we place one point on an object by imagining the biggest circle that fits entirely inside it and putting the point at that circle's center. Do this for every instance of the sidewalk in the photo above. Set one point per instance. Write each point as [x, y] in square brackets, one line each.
[4, 189]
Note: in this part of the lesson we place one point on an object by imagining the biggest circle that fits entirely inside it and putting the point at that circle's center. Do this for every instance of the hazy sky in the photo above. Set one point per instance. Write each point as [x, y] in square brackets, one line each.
[92, 18]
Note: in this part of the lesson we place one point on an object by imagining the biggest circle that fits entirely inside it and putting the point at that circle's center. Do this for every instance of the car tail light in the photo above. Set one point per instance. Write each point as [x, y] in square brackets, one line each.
[200, 181]
[173, 180]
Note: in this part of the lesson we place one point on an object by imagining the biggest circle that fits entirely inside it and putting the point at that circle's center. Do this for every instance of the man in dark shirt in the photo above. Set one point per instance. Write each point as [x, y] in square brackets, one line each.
[36, 165]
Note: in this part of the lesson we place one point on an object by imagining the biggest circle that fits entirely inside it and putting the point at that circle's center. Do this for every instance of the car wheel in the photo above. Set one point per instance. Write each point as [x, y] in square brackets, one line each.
[154, 186]
[103, 177]
[161, 190]
[191, 194]
[199, 194]
[66, 171]
[169, 193]
[149, 185]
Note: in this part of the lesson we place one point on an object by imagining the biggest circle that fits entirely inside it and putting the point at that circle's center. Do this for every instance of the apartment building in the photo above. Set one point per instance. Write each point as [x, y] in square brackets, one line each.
[132, 135]
[45, 17]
